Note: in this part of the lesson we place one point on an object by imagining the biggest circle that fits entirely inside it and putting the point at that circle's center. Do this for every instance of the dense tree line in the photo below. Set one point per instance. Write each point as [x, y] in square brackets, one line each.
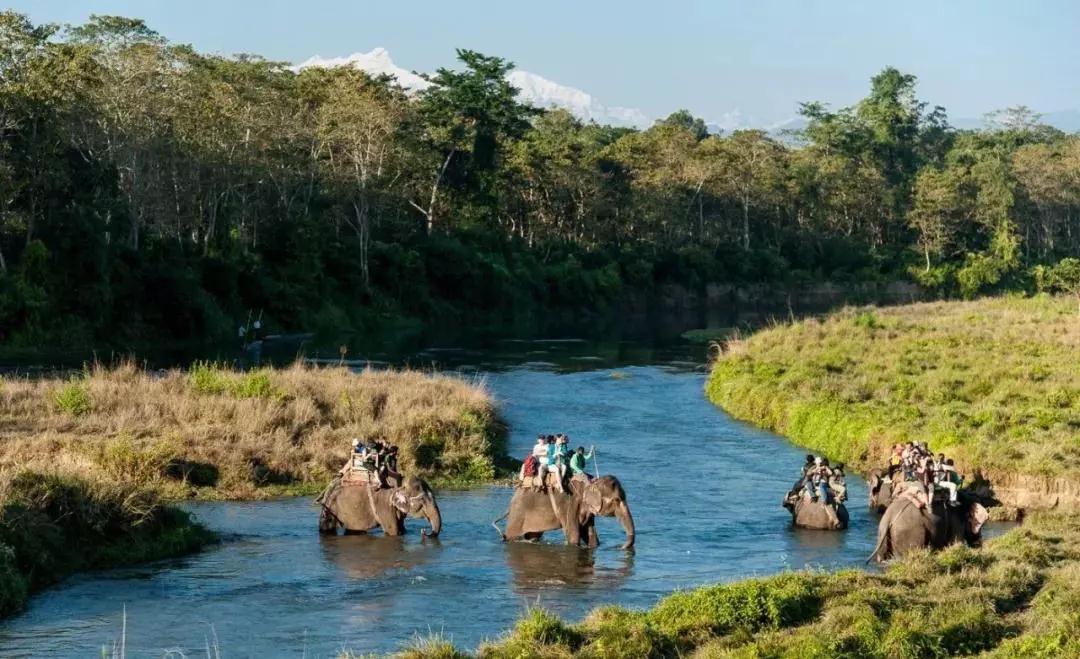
[151, 191]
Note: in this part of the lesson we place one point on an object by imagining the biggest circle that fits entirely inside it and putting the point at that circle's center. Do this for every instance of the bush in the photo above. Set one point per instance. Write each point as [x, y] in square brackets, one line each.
[73, 398]
[751, 605]
[212, 379]
[125, 461]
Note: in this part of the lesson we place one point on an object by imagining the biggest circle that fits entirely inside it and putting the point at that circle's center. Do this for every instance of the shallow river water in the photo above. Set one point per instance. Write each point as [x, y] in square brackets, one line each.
[704, 489]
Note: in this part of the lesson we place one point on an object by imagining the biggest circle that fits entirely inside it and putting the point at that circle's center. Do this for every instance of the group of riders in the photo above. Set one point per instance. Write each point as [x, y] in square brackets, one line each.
[821, 481]
[374, 463]
[552, 455]
[913, 463]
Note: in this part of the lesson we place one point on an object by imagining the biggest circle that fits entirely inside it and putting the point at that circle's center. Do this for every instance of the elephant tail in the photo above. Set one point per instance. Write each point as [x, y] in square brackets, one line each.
[885, 536]
[880, 545]
[496, 524]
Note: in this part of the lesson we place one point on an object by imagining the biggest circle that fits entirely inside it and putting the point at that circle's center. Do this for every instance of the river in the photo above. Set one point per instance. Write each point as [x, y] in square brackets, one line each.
[704, 489]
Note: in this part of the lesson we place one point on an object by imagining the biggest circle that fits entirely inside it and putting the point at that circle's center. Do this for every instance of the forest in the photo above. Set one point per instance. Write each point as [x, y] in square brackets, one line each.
[152, 193]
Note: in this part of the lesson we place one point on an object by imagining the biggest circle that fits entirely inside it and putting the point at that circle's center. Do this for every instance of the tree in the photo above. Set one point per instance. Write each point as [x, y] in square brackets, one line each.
[467, 117]
[355, 127]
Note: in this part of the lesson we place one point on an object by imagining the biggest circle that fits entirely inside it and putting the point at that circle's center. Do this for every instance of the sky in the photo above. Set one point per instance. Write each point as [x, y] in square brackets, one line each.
[759, 58]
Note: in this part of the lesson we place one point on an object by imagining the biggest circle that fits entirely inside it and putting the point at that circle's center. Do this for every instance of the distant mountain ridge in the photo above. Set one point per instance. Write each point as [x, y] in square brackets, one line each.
[535, 89]
[545, 93]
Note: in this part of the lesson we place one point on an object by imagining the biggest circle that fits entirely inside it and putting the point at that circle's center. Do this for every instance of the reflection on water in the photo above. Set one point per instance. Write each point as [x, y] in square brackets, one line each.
[370, 556]
[705, 493]
[537, 566]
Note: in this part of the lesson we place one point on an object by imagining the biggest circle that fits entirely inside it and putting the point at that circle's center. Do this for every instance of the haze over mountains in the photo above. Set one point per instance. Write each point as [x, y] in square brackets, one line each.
[545, 93]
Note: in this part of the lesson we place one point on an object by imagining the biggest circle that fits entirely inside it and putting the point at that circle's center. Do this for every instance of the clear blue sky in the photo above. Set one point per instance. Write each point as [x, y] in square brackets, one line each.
[761, 57]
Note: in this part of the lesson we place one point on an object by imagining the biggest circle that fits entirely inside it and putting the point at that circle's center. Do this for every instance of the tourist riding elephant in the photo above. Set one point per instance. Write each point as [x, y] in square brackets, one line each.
[881, 489]
[532, 512]
[359, 508]
[906, 527]
[809, 514]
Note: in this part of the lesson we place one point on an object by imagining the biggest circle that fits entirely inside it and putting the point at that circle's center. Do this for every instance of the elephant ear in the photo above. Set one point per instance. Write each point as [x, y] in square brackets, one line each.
[401, 501]
[593, 501]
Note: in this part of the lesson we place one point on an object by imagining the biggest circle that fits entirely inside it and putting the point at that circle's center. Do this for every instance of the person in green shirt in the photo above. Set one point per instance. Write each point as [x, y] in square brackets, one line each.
[578, 459]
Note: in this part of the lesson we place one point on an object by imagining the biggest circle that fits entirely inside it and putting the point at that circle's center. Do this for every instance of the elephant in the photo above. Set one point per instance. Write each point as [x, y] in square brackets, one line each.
[532, 512]
[881, 488]
[809, 514]
[906, 527]
[358, 508]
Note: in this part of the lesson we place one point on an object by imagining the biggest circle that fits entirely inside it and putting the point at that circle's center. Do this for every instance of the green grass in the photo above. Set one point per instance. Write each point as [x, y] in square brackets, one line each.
[994, 383]
[1018, 597]
[73, 398]
[51, 526]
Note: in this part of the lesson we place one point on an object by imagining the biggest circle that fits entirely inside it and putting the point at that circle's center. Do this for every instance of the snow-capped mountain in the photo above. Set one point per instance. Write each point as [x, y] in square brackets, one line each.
[537, 90]
[377, 63]
[545, 93]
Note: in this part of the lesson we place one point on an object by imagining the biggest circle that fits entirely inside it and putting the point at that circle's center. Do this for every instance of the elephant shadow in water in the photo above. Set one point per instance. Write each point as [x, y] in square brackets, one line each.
[368, 557]
[538, 566]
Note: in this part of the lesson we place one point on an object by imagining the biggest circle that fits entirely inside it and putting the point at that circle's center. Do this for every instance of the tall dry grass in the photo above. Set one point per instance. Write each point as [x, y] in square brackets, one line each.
[217, 432]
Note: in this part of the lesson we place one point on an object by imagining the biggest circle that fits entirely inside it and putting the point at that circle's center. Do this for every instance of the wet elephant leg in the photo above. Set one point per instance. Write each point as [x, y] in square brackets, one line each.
[328, 524]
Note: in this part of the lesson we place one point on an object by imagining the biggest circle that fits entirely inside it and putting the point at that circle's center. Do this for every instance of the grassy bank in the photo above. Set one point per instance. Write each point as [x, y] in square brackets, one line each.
[211, 432]
[55, 522]
[994, 383]
[1017, 597]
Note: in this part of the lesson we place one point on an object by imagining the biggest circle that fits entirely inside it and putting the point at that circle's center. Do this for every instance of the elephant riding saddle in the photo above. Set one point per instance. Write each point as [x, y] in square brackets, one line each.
[551, 479]
[360, 477]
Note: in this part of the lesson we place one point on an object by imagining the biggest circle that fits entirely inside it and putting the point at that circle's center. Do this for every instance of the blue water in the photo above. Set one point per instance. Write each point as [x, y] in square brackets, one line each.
[705, 491]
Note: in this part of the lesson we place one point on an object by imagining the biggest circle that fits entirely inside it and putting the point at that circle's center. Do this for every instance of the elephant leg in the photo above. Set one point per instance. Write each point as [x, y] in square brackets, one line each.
[572, 533]
[593, 538]
[328, 524]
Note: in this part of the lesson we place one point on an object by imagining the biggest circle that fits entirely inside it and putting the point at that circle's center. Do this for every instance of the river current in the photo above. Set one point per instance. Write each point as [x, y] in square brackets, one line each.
[705, 491]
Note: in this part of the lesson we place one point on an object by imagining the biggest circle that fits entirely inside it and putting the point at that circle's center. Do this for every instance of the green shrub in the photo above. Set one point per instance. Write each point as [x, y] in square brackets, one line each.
[254, 385]
[212, 379]
[73, 398]
[208, 378]
[615, 633]
[125, 461]
[752, 605]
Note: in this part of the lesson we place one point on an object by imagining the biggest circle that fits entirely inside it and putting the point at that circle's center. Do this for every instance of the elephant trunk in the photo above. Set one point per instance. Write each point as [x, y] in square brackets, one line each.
[434, 518]
[627, 521]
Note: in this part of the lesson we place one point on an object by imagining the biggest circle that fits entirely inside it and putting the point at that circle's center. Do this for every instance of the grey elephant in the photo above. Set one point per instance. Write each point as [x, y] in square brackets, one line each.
[881, 491]
[809, 514]
[533, 512]
[359, 507]
[907, 527]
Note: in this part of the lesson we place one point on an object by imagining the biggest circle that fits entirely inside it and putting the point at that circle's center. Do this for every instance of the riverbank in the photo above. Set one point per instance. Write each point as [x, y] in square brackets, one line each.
[56, 522]
[1017, 597]
[993, 383]
[87, 463]
[216, 433]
